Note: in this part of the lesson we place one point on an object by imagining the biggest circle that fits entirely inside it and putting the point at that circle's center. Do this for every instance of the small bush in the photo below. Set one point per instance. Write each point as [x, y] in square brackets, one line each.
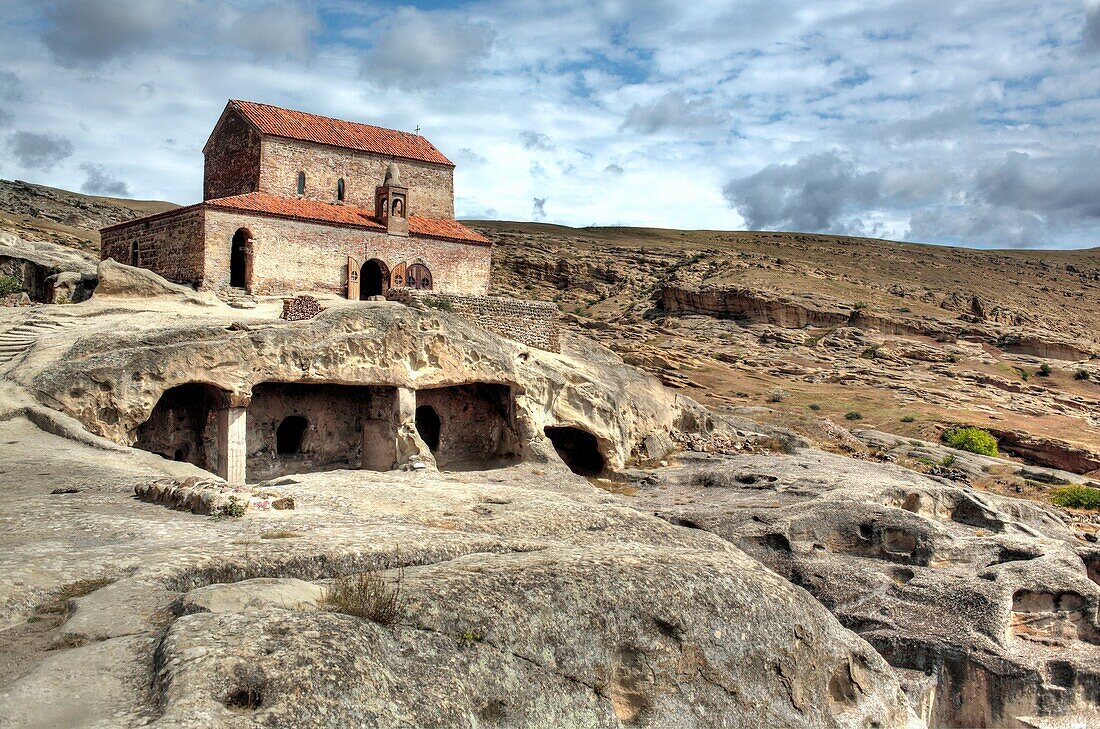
[1081, 374]
[10, 285]
[440, 304]
[909, 418]
[777, 394]
[859, 305]
[871, 352]
[853, 416]
[814, 406]
[973, 440]
[235, 509]
[948, 461]
[1044, 370]
[1076, 496]
[367, 595]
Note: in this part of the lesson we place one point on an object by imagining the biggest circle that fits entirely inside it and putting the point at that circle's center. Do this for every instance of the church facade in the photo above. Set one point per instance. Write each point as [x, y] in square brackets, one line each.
[299, 202]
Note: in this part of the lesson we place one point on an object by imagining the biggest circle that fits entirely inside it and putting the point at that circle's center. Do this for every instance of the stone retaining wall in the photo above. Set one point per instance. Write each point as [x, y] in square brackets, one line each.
[533, 323]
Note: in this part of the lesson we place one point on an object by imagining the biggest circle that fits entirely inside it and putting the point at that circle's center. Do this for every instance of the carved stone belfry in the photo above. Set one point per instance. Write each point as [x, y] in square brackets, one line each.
[391, 202]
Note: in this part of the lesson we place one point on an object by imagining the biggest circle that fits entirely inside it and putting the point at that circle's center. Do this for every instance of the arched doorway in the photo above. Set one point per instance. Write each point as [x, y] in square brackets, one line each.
[578, 448]
[183, 425]
[428, 426]
[374, 279]
[240, 260]
[418, 276]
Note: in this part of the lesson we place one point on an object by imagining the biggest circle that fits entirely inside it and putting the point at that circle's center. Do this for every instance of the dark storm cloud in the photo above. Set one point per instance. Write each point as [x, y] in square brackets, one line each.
[35, 151]
[813, 194]
[538, 209]
[100, 182]
[673, 111]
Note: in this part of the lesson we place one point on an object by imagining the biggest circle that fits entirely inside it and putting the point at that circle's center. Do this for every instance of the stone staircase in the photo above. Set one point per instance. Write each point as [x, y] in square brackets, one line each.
[239, 299]
[18, 340]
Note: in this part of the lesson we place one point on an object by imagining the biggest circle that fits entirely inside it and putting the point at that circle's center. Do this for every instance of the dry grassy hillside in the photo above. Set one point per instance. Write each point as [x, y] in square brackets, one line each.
[37, 212]
[800, 328]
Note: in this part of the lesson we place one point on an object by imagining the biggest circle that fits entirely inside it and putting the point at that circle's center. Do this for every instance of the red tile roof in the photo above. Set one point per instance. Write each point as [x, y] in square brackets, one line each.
[347, 215]
[307, 127]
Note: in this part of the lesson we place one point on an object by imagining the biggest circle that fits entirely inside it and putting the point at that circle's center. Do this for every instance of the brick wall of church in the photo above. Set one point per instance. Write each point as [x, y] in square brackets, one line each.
[431, 187]
[170, 245]
[290, 255]
[232, 159]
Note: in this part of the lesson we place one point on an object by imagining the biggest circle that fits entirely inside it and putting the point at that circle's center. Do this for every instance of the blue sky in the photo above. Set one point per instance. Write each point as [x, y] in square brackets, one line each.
[967, 123]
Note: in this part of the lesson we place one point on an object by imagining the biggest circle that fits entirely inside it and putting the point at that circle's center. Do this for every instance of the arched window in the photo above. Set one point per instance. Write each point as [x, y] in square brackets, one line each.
[340, 189]
[398, 208]
[301, 183]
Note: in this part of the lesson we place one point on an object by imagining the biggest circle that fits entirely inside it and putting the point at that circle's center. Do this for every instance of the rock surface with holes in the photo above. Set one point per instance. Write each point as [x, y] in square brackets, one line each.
[987, 604]
[530, 598]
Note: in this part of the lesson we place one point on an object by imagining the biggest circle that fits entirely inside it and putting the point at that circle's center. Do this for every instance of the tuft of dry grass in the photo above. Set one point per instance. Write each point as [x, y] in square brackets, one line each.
[58, 604]
[368, 595]
[280, 534]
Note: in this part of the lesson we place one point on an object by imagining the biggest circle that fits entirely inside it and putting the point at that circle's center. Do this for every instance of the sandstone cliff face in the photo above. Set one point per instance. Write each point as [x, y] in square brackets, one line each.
[111, 379]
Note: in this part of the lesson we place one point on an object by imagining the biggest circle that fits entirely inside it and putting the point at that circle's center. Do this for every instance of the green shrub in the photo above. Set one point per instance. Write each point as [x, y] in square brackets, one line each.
[814, 406]
[1076, 496]
[440, 304]
[974, 440]
[235, 509]
[853, 416]
[1081, 374]
[10, 285]
[948, 461]
[1044, 370]
[909, 418]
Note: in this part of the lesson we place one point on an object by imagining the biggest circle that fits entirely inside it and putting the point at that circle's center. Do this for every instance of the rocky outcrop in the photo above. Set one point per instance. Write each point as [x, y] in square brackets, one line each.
[48, 272]
[119, 281]
[755, 306]
[1048, 452]
[383, 344]
[988, 605]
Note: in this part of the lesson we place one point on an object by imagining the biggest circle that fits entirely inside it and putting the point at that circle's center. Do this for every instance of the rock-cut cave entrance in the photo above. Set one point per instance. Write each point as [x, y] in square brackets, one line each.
[578, 448]
[183, 425]
[374, 279]
[296, 427]
[468, 427]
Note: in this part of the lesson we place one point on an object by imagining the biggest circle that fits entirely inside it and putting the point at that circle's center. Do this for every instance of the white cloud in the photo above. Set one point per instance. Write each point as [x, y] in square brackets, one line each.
[414, 49]
[603, 107]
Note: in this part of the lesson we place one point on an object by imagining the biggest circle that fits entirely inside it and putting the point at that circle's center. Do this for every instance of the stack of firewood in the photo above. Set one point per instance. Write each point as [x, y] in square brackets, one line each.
[301, 307]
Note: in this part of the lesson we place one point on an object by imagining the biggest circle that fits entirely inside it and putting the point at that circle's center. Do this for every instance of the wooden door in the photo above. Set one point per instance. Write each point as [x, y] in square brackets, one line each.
[397, 276]
[353, 277]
